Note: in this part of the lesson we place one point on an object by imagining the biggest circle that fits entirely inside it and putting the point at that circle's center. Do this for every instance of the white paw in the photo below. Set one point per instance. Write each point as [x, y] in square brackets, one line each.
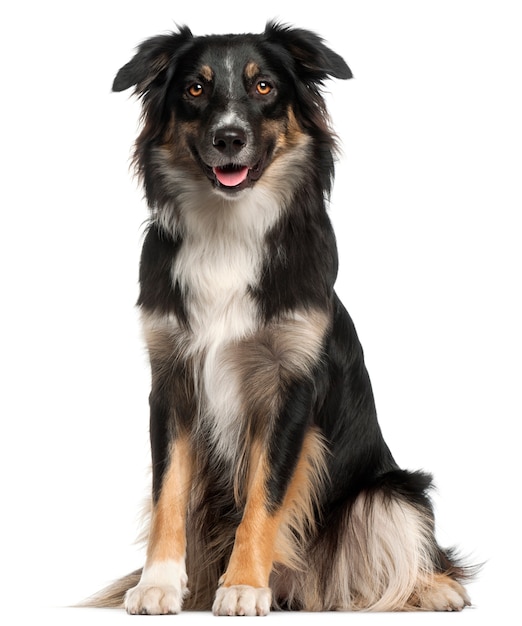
[148, 600]
[160, 591]
[242, 600]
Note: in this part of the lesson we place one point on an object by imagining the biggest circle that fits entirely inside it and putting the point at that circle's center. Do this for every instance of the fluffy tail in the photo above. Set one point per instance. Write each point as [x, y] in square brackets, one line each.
[113, 595]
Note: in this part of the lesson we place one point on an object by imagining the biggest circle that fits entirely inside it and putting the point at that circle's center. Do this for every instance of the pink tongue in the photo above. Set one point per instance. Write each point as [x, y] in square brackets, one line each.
[230, 177]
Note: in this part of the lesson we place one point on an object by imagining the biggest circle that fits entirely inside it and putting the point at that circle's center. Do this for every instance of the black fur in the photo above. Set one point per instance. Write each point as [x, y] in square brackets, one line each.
[269, 85]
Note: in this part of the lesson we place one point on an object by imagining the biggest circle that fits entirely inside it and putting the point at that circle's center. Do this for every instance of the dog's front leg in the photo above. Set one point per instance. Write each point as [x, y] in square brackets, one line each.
[280, 476]
[163, 583]
[244, 587]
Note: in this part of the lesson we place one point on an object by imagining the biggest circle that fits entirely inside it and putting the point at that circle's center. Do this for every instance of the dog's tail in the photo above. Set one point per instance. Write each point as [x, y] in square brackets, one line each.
[112, 596]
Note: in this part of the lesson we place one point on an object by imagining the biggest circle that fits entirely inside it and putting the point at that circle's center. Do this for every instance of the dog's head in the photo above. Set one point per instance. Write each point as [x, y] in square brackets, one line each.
[222, 108]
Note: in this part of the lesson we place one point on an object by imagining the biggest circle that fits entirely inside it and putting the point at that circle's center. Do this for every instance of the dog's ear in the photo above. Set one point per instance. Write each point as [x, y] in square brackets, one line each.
[151, 61]
[314, 61]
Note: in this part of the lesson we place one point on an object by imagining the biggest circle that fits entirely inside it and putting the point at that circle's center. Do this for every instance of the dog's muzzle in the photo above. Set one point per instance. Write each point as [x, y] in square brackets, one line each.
[229, 142]
[229, 160]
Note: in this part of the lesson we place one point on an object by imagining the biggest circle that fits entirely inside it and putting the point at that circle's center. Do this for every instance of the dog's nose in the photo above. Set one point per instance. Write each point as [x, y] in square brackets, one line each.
[229, 140]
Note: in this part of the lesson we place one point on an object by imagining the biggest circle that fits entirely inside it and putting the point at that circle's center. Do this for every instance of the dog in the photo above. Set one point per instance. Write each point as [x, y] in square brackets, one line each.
[272, 485]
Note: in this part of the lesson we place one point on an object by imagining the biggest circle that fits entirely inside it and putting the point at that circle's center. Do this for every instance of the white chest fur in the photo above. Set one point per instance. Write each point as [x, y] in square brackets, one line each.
[220, 258]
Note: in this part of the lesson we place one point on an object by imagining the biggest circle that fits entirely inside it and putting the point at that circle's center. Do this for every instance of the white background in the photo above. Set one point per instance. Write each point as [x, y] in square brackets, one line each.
[426, 209]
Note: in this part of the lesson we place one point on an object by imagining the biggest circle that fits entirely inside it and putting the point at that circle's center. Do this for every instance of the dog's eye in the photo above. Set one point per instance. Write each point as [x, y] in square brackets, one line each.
[195, 90]
[263, 88]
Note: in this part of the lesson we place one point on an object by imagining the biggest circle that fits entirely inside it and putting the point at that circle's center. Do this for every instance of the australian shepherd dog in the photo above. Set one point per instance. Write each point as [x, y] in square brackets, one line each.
[272, 485]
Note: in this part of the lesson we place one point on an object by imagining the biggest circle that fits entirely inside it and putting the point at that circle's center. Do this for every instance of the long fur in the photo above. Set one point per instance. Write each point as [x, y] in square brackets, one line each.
[272, 484]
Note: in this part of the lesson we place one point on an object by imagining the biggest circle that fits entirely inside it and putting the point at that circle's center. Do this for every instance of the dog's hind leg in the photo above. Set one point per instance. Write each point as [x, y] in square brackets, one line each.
[395, 561]
[440, 592]
[380, 554]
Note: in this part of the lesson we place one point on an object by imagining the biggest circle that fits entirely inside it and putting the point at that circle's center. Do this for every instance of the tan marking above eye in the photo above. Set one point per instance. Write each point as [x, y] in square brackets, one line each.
[195, 90]
[252, 70]
[206, 72]
[263, 87]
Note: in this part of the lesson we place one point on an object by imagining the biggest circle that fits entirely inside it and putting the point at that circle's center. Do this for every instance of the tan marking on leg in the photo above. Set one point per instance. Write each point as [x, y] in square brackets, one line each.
[163, 582]
[252, 556]
[264, 537]
[301, 498]
[167, 531]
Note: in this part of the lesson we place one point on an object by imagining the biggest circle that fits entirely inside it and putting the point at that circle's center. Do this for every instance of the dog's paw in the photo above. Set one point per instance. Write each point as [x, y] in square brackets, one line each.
[153, 600]
[242, 600]
[156, 594]
[445, 595]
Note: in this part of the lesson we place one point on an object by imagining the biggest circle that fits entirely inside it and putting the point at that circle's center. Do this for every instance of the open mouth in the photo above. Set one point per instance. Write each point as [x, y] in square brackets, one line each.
[231, 175]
